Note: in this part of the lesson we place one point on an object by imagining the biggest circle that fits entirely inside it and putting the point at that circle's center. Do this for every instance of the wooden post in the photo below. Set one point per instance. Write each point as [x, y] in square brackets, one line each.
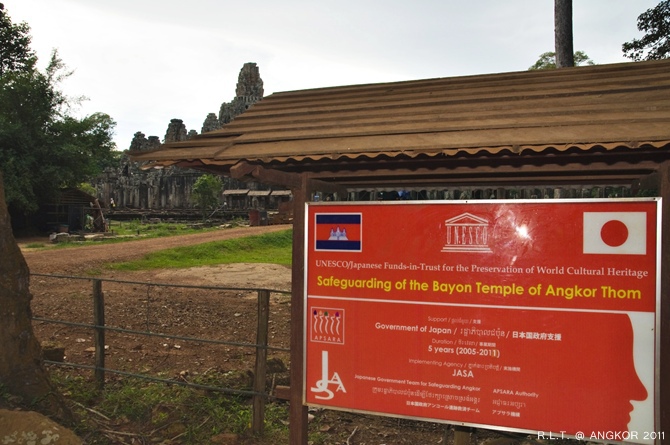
[663, 424]
[260, 371]
[297, 411]
[99, 332]
[301, 186]
[462, 435]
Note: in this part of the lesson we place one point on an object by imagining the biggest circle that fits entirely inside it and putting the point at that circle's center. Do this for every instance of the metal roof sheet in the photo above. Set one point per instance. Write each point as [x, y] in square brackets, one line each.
[606, 106]
[280, 193]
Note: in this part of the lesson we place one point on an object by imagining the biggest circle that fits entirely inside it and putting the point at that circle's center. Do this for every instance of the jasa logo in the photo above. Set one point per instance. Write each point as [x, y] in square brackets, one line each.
[322, 388]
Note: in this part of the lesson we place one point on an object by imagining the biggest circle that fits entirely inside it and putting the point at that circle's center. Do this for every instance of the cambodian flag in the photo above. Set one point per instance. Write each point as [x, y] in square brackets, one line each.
[338, 231]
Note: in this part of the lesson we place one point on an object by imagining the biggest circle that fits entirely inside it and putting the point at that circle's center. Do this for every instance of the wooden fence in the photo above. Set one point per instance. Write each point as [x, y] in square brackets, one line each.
[99, 328]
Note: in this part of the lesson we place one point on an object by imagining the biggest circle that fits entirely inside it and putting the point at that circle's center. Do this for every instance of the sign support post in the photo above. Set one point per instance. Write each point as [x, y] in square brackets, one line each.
[664, 368]
[298, 411]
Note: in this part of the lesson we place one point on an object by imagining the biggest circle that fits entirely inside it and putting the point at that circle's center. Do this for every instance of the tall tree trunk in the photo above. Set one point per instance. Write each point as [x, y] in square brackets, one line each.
[563, 33]
[22, 371]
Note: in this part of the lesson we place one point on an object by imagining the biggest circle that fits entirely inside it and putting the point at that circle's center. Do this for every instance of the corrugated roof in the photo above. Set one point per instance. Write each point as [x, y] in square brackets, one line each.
[259, 193]
[74, 196]
[280, 193]
[604, 106]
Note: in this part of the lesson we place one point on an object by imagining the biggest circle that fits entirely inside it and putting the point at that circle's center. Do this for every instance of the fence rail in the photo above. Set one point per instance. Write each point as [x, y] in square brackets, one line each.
[259, 393]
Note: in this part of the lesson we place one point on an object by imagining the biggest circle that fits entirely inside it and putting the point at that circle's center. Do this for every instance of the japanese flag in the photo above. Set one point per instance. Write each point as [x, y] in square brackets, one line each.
[615, 233]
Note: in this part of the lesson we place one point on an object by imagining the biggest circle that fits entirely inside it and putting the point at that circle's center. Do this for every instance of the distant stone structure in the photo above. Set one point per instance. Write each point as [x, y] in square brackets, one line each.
[176, 131]
[211, 123]
[249, 91]
[171, 188]
[131, 187]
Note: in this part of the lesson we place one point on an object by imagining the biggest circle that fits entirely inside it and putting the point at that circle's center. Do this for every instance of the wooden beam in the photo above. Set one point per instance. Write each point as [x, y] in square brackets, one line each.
[245, 171]
[554, 174]
[664, 368]
[543, 181]
[292, 181]
[462, 435]
[298, 411]
[370, 172]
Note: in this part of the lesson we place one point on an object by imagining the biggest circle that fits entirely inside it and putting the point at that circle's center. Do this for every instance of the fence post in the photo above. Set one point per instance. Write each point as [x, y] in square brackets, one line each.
[99, 332]
[261, 362]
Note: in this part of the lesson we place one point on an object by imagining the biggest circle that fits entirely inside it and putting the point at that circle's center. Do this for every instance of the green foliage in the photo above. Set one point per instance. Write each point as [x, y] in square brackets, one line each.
[207, 190]
[87, 188]
[547, 61]
[15, 52]
[42, 147]
[275, 247]
[655, 44]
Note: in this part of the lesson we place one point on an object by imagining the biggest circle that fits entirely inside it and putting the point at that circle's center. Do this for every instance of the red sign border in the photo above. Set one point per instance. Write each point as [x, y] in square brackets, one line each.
[346, 209]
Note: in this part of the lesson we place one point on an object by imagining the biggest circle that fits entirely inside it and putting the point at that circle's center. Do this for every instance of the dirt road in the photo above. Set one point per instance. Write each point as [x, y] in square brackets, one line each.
[75, 261]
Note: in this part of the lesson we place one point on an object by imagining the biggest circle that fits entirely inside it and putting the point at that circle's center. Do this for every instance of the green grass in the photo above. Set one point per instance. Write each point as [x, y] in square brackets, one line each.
[35, 245]
[159, 410]
[136, 227]
[128, 231]
[273, 248]
[154, 230]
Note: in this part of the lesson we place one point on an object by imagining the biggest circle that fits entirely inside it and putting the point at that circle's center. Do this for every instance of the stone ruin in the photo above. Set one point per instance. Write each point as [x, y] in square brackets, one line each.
[211, 123]
[171, 188]
[249, 91]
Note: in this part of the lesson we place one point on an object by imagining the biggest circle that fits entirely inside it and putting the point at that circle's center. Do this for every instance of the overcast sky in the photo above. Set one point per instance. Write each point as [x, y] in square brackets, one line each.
[145, 62]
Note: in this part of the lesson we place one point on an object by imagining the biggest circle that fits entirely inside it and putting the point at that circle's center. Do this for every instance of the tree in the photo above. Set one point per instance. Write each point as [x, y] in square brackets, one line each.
[207, 190]
[15, 52]
[43, 148]
[563, 34]
[547, 60]
[22, 371]
[655, 44]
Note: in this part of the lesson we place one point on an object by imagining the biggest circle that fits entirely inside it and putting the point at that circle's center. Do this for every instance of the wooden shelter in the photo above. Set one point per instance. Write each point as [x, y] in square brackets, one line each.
[597, 126]
[71, 211]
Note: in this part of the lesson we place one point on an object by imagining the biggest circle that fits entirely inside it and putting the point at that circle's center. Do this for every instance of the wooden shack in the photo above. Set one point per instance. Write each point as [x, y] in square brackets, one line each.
[72, 210]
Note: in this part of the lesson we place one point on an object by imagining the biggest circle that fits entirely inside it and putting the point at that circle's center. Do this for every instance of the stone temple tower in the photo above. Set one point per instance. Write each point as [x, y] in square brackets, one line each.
[249, 91]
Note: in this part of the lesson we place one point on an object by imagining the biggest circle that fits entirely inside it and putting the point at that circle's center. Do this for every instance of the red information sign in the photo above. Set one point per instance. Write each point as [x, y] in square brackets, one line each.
[520, 315]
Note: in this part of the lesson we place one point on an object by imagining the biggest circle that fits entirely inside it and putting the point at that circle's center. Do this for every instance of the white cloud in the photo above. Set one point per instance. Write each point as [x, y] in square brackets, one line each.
[145, 62]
